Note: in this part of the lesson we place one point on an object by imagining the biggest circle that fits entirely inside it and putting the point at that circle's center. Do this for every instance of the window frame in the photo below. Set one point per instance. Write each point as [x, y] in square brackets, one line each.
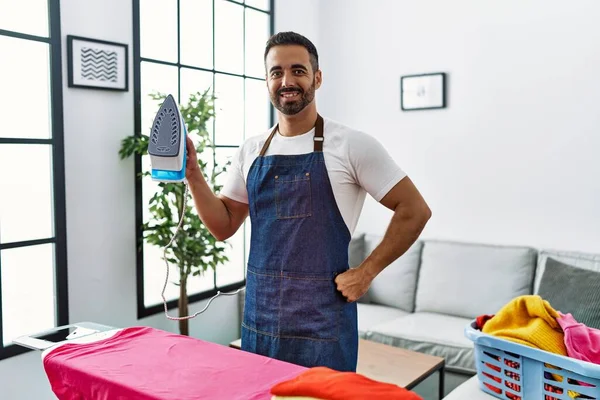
[61, 307]
[142, 310]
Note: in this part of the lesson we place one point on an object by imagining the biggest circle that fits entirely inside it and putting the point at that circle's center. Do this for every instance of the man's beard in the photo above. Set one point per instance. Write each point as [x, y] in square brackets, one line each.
[293, 107]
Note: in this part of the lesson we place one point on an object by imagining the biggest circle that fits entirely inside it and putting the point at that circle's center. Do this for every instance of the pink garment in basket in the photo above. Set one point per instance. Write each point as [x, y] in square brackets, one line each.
[149, 364]
[582, 342]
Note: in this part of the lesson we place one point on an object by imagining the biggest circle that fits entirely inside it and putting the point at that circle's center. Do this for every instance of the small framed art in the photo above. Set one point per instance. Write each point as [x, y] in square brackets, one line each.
[97, 64]
[423, 92]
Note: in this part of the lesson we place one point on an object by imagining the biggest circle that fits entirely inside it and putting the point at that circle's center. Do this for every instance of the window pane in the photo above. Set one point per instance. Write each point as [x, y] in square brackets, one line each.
[155, 78]
[196, 33]
[25, 16]
[229, 37]
[27, 286]
[233, 270]
[262, 4]
[223, 155]
[257, 106]
[207, 157]
[24, 63]
[149, 188]
[155, 273]
[155, 268]
[158, 29]
[257, 34]
[194, 81]
[26, 202]
[229, 110]
[248, 230]
[198, 284]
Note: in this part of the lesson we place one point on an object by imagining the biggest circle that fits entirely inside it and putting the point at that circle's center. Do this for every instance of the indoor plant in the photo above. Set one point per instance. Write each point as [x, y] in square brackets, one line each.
[194, 250]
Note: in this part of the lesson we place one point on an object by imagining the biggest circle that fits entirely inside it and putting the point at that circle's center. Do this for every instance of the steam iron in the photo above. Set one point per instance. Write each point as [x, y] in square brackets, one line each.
[167, 143]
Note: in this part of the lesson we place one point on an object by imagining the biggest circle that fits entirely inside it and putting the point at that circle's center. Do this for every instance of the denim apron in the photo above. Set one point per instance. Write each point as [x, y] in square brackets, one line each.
[299, 243]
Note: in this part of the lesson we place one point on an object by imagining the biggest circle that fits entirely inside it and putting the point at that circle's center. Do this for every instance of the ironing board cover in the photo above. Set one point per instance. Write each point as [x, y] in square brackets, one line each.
[150, 364]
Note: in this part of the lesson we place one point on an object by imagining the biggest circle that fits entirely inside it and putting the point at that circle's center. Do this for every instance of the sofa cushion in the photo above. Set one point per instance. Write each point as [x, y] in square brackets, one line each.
[572, 290]
[436, 334]
[356, 255]
[356, 250]
[395, 286]
[242, 300]
[370, 315]
[575, 259]
[486, 277]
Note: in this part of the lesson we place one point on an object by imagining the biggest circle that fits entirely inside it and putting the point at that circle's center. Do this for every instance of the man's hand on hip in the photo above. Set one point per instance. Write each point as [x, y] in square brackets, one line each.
[354, 283]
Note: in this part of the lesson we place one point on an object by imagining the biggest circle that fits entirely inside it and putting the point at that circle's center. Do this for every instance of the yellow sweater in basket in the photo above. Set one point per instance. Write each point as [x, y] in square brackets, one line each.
[531, 321]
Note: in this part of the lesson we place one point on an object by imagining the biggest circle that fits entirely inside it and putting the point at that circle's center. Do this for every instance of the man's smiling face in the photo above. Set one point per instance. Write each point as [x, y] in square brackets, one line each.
[290, 79]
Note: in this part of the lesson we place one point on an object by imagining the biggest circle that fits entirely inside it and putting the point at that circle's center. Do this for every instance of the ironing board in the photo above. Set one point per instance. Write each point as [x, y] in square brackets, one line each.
[100, 362]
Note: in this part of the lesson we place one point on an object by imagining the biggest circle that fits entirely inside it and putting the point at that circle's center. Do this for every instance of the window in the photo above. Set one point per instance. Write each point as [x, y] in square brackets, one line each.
[182, 47]
[33, 278]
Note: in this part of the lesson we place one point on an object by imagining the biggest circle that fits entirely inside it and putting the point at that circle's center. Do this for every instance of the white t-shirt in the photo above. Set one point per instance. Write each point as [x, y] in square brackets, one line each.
[356, 164]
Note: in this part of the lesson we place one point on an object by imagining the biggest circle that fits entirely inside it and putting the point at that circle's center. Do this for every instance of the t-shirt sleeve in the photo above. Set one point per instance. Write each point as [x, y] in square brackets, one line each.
[235, 184]
[373, 167]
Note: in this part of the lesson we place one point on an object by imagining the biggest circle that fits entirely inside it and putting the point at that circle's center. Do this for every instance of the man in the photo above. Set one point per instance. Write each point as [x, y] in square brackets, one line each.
[303, 184]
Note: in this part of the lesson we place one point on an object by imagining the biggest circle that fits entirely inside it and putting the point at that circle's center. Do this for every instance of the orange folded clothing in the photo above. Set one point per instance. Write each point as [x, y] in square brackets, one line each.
[328, 384]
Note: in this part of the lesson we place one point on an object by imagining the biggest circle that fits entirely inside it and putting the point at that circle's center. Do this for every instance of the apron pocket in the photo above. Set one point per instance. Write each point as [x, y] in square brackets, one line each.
[293, 196]
[311, 307]
[261, 306]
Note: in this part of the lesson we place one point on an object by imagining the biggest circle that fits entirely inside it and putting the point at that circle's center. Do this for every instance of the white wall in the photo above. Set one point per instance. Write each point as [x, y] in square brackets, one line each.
[101, 209]
[304, 20]
[514, 157]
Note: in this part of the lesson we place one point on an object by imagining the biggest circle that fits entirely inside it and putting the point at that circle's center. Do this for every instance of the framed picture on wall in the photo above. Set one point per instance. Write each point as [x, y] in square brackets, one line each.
[423, 92]
[97, 64]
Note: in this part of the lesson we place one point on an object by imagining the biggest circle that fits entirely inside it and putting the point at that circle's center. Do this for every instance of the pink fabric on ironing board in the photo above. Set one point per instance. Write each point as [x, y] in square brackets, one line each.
[149, 364]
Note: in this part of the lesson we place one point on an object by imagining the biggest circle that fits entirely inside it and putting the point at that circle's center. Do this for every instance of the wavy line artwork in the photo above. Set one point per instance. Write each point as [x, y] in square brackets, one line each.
[99, 65]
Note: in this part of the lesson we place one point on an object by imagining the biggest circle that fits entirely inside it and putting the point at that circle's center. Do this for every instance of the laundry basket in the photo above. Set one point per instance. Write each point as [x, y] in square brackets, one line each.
[508, 370]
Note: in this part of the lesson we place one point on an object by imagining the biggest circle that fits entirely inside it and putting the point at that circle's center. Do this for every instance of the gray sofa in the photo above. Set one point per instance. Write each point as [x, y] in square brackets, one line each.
[425, 299]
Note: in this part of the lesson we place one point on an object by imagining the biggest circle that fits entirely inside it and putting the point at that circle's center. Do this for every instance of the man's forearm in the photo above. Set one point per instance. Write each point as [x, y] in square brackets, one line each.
[404, 229]
[211, 210]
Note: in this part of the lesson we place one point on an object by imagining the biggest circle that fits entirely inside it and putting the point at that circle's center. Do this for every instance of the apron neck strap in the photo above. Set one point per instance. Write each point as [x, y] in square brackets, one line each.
[318, 139]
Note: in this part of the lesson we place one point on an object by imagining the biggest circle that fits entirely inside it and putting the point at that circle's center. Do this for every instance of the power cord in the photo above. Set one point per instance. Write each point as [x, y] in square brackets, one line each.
[219, 293]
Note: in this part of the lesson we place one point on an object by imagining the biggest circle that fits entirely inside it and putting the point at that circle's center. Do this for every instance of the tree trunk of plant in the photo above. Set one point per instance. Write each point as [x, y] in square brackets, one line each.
[183, 275]
[183, 304]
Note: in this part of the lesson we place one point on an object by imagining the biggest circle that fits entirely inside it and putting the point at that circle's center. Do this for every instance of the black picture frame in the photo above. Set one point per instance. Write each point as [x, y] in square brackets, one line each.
[97, 64]
[423, 91]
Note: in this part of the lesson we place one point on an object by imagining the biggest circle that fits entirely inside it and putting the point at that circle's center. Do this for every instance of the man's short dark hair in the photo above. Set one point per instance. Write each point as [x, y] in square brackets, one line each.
[290, 38]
